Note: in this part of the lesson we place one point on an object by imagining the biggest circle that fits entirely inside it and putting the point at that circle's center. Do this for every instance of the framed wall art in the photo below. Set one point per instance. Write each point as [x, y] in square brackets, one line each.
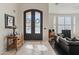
[9, 21]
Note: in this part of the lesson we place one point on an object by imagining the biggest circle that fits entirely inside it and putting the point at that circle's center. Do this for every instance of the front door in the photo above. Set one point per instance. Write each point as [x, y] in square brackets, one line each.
[33, 24]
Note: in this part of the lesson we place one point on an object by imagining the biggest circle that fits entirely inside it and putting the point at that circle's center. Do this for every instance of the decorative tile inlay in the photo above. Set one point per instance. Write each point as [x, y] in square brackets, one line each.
[29, 46]
[41, 47]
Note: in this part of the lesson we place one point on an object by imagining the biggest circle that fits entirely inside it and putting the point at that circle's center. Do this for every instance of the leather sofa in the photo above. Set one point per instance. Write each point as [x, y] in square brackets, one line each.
[69, 46]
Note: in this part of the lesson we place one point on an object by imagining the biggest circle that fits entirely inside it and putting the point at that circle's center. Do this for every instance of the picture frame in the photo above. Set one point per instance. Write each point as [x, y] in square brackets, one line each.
[9, 21]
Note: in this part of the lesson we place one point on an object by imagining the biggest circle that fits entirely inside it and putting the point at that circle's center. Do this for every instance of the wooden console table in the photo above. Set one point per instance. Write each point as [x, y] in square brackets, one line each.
[14, 42]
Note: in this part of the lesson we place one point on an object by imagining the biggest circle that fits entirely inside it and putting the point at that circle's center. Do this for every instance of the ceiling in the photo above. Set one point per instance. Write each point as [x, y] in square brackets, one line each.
[67, 8]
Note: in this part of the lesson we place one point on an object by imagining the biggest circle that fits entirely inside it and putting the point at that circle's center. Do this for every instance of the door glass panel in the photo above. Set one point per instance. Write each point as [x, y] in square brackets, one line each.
[28, 22]
[37, 22]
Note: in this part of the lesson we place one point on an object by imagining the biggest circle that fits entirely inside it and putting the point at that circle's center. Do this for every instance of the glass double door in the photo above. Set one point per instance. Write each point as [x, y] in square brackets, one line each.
[33, 25]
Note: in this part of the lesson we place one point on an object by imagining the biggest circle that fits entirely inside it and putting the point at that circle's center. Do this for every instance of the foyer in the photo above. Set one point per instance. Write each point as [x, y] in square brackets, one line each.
[26, 28]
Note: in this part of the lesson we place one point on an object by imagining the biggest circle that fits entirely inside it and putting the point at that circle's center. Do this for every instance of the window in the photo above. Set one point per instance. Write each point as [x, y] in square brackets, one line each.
[64, 23]
[60, 23]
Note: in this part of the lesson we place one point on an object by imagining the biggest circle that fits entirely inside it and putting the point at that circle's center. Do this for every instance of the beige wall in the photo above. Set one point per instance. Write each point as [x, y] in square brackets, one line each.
[5, 9]
[50, 21]
[43, 7]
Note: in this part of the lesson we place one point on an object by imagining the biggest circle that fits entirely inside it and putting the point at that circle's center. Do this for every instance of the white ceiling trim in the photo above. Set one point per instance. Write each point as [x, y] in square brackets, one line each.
[64, 8]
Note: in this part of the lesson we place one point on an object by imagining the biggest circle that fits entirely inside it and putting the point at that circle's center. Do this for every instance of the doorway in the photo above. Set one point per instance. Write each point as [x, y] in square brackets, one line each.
[33, 24]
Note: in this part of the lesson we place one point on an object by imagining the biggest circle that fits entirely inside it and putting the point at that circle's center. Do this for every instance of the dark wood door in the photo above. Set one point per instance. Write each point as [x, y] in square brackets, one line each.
[33, 24]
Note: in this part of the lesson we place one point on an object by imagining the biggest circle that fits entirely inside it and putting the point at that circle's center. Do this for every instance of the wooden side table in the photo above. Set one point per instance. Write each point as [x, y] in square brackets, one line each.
[11, 42]
[14, 42]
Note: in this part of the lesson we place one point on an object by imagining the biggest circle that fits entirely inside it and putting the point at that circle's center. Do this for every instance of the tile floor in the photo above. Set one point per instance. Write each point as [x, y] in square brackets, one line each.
[33, 48]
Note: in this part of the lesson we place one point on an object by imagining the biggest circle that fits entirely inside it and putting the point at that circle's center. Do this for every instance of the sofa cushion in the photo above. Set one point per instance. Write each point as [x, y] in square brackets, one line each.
[68, 39]
[74, 43]
[75, 39]
[63, 40]
[57, 40]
